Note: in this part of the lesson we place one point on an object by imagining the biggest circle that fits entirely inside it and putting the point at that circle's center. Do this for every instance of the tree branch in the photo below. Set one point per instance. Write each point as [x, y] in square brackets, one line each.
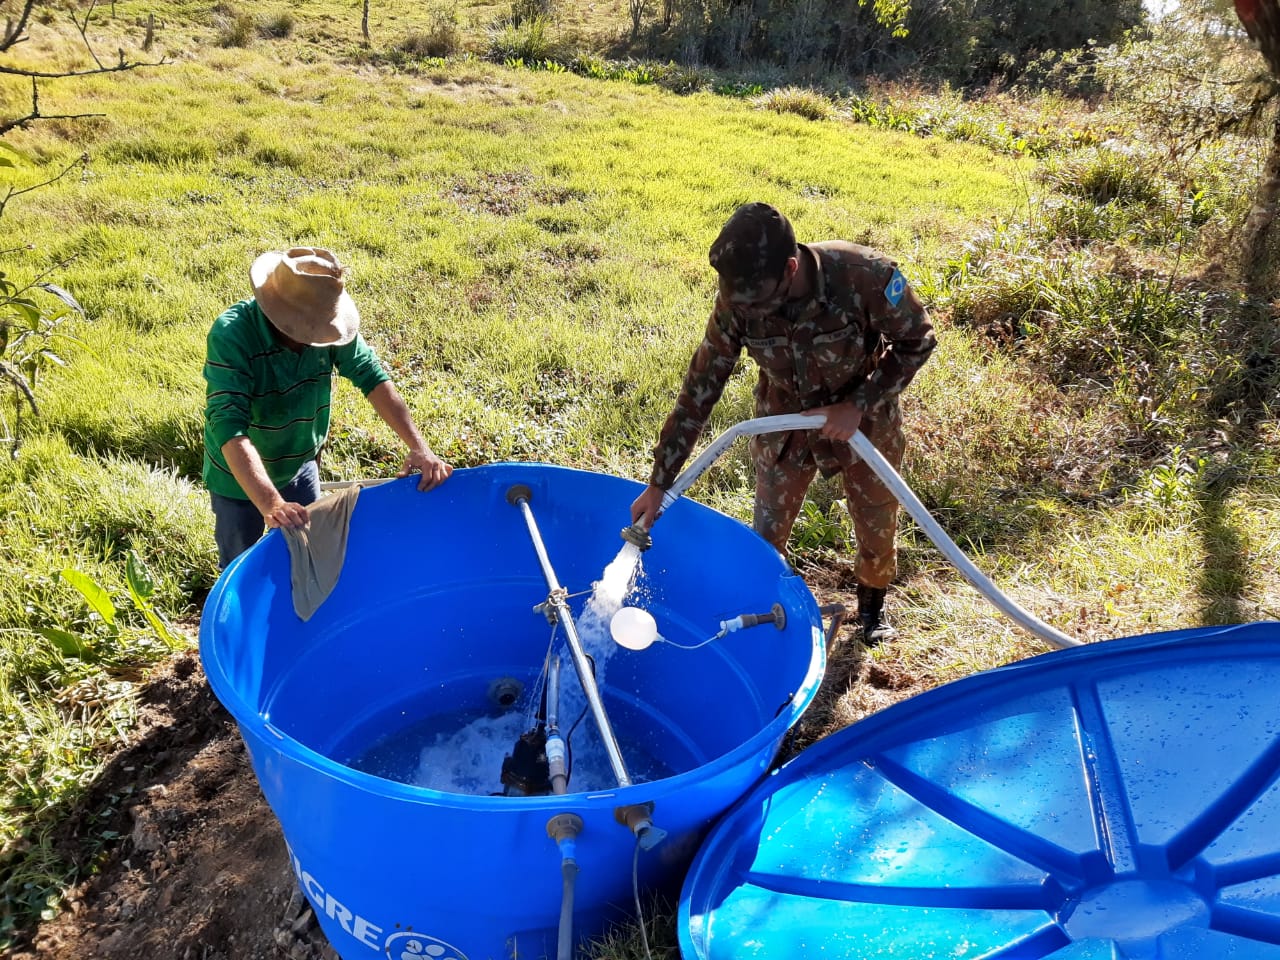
[8, 125]
[38, 280]
[84, 27]
[42, 75]
[11, 373]
[35, 114]
[80, 161]
[16, 33]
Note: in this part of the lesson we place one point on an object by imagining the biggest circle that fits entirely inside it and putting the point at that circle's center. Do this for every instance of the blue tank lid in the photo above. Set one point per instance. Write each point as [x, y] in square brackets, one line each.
[1118, 801]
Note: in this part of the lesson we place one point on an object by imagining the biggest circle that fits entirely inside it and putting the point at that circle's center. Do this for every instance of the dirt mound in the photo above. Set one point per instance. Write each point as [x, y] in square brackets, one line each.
[202, 871]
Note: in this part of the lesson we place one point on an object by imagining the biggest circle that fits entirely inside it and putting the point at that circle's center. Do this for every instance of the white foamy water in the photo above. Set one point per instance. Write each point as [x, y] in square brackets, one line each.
[470, 760]
[611, 589]
[607, 596]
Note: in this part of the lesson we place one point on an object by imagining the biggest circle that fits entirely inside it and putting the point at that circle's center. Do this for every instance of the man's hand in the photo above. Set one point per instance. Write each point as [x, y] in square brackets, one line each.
[434, 470]
[842, 423]
[246, 466]
[286, 514]
[647, 506]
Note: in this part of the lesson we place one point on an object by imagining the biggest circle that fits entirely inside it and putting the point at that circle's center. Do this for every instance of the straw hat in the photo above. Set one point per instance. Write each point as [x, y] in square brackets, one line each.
[303, 295]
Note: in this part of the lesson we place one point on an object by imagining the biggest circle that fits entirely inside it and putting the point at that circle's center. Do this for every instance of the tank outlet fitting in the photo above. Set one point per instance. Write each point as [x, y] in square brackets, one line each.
[779, 616]
[638, 818]
[505, 691]
[519, 493]
[564, 826]
[637, 535]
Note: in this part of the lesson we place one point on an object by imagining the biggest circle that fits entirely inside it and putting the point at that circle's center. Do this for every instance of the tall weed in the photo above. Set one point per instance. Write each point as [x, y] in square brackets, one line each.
[805, 103]
[239, 29]
[442, 36]
[529, 40]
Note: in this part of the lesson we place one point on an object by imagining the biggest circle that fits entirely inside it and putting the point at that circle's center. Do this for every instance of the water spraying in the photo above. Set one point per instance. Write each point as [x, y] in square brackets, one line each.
[616, 583]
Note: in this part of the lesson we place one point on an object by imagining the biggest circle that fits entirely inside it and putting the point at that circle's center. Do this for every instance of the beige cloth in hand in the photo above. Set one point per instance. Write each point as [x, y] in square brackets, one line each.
[317, 551]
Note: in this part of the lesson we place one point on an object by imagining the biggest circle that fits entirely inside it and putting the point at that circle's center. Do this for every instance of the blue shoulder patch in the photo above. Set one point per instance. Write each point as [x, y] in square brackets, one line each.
[896, 288]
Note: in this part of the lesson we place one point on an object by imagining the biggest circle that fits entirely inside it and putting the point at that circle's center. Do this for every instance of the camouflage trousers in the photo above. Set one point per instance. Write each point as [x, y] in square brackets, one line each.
[782, 481]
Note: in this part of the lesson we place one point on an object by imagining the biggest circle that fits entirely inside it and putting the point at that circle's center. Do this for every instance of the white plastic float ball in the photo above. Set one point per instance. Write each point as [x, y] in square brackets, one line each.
[633, 628]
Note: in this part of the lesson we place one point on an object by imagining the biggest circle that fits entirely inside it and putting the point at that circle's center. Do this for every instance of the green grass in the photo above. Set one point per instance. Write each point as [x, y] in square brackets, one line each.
[534, 233]
[528, 251]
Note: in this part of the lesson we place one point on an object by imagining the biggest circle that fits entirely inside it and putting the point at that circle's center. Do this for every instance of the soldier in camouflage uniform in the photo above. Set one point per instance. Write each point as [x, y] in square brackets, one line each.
[835, 329]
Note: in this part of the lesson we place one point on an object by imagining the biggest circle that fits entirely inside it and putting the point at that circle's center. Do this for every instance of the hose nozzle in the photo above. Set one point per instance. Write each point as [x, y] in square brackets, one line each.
[638, 535]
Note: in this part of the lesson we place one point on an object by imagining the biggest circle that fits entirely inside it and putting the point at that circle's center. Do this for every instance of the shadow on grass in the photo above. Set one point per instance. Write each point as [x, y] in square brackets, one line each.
[1225, 574]
[846, 658]
[176, 444]
[1246, 399]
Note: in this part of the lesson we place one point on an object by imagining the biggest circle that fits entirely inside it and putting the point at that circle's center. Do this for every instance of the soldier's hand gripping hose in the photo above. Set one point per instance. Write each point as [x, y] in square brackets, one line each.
[644, 513]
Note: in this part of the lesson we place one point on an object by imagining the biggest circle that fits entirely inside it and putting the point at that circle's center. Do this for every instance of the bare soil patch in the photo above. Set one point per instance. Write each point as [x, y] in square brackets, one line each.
[201, 872]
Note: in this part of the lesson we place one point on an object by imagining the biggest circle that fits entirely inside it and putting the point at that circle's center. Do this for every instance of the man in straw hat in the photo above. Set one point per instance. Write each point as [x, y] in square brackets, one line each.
[835, 329]
[269, 373]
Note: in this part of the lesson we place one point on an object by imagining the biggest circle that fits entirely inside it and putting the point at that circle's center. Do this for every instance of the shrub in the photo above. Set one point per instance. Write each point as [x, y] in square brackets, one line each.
[1079, 219]
[280, 25]
[679, 79]
[29, 331]
[529, 41]
[591, 65]
[1104, 175]
[438, 41]
[798, 100]
[1152, 347]
[888, 115]
[994, 286]
[523, 11]
[739, 88]
[1172, 488]
[821, 528]
[237, 31]
[442, 37]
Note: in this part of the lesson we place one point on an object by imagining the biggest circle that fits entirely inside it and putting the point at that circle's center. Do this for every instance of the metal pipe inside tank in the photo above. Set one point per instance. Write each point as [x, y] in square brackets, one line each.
[558, 603]
[557, 755]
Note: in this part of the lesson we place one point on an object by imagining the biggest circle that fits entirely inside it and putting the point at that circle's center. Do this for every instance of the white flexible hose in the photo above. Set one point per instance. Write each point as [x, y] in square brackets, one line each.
[898, 487]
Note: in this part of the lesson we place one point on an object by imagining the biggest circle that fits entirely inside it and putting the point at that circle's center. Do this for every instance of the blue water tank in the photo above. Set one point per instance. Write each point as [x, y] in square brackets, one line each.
[1119, 801]
[435, 604]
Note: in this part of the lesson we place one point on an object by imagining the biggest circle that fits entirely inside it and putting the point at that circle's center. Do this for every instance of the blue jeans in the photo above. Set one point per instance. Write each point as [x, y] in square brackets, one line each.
[237, 524]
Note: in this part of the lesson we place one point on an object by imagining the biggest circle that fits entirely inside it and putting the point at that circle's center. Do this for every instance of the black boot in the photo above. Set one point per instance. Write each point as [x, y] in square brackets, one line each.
[875, 628]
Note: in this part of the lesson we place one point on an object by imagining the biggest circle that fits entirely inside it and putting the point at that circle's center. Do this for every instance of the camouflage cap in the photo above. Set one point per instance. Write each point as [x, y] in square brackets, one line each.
[752, 249]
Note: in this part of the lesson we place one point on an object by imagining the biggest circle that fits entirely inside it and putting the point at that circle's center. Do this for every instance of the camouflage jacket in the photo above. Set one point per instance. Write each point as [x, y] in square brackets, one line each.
[846, 341]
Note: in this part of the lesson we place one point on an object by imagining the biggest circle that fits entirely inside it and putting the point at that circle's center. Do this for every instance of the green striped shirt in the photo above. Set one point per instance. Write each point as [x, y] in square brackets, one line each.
[260, 389]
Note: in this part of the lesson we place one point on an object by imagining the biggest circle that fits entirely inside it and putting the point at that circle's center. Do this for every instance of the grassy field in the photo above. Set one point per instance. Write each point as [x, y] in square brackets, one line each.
[528, 250]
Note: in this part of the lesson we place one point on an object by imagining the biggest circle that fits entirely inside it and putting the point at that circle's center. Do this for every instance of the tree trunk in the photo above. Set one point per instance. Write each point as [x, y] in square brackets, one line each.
[1261, 20]
[364, 22]
[1257, 225]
